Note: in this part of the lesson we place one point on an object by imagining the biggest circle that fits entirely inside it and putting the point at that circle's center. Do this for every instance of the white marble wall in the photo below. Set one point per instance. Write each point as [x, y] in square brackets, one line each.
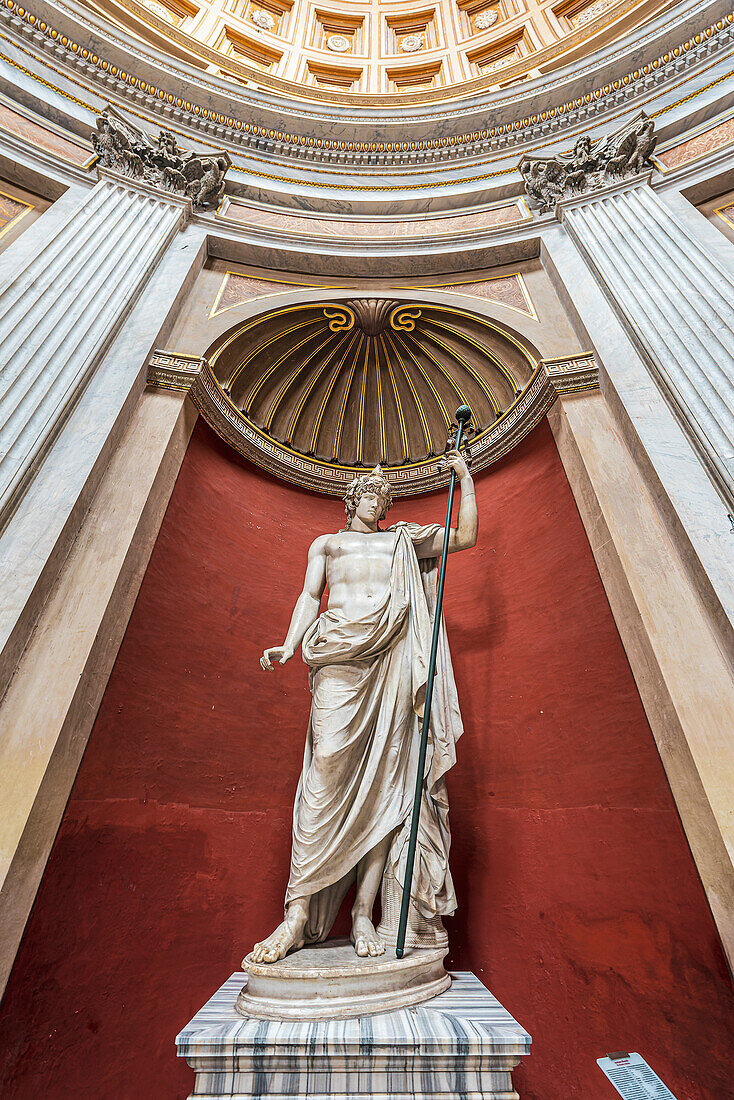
[677, 302]
[74, 549]
[60, 308]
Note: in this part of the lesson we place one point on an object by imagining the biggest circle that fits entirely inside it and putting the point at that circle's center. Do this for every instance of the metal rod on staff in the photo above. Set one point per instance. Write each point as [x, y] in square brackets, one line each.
[463, 415]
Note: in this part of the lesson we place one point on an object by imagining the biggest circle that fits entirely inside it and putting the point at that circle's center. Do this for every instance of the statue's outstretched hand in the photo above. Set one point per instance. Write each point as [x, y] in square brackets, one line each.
[278, 653]
[456, 462]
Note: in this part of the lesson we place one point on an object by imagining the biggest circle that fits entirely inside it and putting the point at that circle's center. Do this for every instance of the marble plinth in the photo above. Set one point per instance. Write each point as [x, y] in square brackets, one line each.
[462, 1045]
[329, 981]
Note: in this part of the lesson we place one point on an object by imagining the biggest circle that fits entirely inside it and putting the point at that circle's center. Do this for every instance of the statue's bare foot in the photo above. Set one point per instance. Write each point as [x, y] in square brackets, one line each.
[285, 938]
[365, 939]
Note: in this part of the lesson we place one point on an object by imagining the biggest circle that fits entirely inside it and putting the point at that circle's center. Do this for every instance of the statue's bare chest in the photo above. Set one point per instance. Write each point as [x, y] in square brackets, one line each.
[354, 543]
[353, 557]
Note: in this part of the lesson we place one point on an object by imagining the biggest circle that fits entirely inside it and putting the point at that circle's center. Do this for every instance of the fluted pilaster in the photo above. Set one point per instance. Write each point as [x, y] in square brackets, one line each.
[61, 308]
[677, 303]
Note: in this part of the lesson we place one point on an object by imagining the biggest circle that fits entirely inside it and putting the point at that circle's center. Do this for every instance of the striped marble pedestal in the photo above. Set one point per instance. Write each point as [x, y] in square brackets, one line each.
[462, 1045]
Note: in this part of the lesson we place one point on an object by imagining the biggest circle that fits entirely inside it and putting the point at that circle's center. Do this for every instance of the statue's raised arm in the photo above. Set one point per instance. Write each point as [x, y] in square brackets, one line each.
[466, 532]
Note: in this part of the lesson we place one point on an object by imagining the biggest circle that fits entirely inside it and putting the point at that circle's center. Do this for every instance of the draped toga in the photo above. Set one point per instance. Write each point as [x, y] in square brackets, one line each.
[368, 682]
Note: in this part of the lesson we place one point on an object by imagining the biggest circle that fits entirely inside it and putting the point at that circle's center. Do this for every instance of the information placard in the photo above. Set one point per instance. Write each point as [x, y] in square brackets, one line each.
[632, 1077]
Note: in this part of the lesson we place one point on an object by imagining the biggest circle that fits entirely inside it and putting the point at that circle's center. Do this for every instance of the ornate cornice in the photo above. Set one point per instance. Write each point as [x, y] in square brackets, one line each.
[546, 126]
[552, 378]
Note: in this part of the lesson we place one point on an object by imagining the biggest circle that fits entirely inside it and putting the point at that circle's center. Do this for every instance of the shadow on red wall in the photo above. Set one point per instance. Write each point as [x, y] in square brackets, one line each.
[580, 906]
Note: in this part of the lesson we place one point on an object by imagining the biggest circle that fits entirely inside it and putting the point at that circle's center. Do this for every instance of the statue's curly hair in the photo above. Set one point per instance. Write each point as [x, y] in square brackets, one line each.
[374, 482]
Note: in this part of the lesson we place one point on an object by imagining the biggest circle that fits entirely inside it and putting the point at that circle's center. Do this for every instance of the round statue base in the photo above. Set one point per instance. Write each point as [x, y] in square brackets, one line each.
[329, 981]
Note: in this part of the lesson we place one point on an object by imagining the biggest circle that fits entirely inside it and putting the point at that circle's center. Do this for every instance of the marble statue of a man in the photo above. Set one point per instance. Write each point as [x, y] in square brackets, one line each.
[368, 658]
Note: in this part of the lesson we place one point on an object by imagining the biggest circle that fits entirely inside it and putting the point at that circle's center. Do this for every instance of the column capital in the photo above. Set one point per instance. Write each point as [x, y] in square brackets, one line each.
[157, 165]
[616, 187]
[591, 166]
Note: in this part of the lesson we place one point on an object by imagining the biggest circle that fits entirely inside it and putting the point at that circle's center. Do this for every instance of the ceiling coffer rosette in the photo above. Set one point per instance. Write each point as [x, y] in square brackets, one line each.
[367, 380]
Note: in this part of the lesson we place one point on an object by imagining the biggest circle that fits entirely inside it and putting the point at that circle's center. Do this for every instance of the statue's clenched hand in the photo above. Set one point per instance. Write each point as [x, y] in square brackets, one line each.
[278, 653]
[456, 462]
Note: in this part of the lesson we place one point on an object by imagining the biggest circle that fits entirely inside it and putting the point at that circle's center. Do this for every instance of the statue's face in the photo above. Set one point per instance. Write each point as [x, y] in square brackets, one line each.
[369, 507]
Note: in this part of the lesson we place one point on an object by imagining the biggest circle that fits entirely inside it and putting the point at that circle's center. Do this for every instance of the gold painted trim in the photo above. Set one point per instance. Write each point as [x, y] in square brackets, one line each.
[707, 31]
[699, 132]
[308, 388]
[499, 364]
[345, 396]
[552, 378]
[261, 347]
[725, 217]
[398, 405]
[380, 405]
[215, 312]
[252, 322]
[545, 54]
[329, 389]
[530, 312]
[286, 385]
[488, 324]
[439, 400]
[482, 382]
[362, 395]
[340, 319]
[418, 405]
[18, 217]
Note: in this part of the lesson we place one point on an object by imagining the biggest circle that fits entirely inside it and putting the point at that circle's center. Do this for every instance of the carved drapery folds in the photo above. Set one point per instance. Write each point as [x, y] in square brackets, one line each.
[591, 165]
[159, 162]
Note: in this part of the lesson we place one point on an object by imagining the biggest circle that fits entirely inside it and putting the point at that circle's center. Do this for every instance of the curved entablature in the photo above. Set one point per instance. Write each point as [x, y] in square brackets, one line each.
[267, 113]
[319, 391]
[471, 171]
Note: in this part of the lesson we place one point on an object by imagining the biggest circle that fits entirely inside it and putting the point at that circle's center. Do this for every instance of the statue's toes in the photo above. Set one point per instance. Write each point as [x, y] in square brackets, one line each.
[361, 948]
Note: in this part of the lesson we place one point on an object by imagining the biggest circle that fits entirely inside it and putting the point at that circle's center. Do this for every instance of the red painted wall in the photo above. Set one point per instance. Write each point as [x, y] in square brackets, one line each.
[580, 904]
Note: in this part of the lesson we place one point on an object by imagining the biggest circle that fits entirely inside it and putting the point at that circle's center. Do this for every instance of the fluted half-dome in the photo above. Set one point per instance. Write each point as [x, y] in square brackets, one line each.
[369, 380]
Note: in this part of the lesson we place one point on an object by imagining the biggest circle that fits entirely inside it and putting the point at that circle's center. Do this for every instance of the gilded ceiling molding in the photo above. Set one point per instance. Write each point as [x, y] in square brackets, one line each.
[243, 71]
[717, 35]
[726, 213]
[551, 378]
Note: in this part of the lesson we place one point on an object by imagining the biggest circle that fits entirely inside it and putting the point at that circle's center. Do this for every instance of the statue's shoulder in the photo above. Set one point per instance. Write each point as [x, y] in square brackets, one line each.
[417, 532]
[320, 545]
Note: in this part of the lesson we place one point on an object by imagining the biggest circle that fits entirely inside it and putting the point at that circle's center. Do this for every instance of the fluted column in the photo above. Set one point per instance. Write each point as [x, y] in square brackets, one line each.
[676, 302]
[60, 309]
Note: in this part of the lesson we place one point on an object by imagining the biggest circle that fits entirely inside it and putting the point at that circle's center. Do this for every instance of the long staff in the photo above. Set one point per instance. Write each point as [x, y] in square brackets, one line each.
[463, 415]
